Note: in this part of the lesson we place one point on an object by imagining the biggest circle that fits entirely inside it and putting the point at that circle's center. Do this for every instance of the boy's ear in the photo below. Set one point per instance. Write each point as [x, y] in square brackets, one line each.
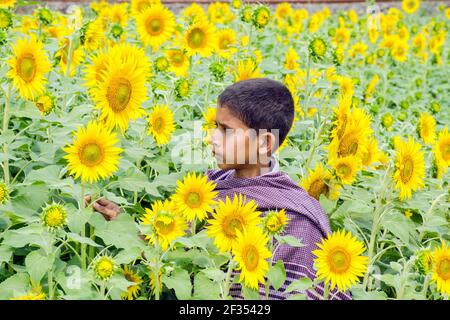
[266, 143]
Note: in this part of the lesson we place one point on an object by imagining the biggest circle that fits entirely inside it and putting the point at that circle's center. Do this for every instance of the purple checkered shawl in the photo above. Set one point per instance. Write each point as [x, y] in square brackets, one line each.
[308, 222]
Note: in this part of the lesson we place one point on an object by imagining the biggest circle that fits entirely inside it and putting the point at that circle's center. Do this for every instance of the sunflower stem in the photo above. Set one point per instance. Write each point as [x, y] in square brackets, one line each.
[326, 290]
[426, 284]
[267, 285]
[83, 230]
[69, 57]
[193, 226]
[5, 128]
[227, 283]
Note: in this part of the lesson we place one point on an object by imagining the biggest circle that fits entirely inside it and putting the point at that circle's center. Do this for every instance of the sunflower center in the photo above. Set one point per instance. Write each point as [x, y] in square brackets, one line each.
[230, 226]
[165, 227]
[196, 38]
[348, 146]
[224, 43]
[154, 26]
[443, 269]
[446, 151]
[408, 169]
[251, 257]
[26, 67]
[317, 188]
[339, 261]
[177, 58]
[193, 199]
[91, 154]
[119, 94]
[158, 124]
[343, 170]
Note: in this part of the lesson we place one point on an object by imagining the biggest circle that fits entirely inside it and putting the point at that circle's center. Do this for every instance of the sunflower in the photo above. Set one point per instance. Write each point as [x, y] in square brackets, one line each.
[92, 155]
[251, 253]
[261, 16]
[178, 62]
[129, 52]
[400, 51]
[161, 124]
[155, 25]
[442, 147]
[220, 13]
[45, 103]
[320, 181]
[6, 20]
[275, 222]
[230, 216]
[132, 290]
[318, 48]
[194, 196]
[93, 36]
[4, 193]
[192, 13]
[166, 224]
[199, 38]
[346, 86]
[139, 6]
[29, 65]
[76, 57]
[372, 153]
[104, 267]
[7, 3]
[54, 216]
[34, 294]
[247, 69]
[339, 260]
[291, 59]
[118, 14]
[226, 42]
[94, 71]
[346, 168]
[427, 128]
[424, 261]
[121, 92]
[410, 167]
[410, 6]
[441, 270]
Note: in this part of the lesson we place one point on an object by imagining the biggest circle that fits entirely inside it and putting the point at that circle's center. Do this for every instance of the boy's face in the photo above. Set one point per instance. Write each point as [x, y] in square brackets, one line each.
[234, 145]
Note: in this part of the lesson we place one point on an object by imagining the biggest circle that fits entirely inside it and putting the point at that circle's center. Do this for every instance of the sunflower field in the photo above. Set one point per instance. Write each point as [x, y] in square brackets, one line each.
[100, 102]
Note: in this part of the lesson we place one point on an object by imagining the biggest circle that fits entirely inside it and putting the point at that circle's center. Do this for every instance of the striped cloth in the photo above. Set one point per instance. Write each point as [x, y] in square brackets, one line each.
[308, 222]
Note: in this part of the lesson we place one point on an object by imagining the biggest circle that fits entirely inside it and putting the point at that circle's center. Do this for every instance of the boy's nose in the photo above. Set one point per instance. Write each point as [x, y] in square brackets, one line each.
[214, 138]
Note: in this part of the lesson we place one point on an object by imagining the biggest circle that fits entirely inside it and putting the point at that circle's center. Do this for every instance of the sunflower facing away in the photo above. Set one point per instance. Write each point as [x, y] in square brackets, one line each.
[230, 216]
[427, 128]
[194, 197]
[441, 270]
[161, 124]
[133, 290]
[155, 25]
[251, 253]
[166, 223]
[339, 260]
[442, 148]
[93, 155]
[410, 167]
[29, 64]
[121, 92]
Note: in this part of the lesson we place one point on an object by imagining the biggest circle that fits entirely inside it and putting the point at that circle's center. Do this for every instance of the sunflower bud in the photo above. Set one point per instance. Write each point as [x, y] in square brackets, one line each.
[45, 16]
[45, 104]
[182, 88]
[54, 216]
[161, 64]
[104, 267]
[424, 261]
[435, 107]
[217, 71]
[261, 17]
[317, 48]
[116, 31]
[275, 222]
[247, 14]
[6, 20]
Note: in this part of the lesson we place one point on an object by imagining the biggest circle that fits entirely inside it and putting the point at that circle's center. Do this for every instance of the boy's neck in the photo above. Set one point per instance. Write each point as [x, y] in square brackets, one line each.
[252, 171]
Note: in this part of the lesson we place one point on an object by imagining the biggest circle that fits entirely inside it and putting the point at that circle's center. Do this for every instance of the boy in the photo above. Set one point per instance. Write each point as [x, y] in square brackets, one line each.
[253, 118]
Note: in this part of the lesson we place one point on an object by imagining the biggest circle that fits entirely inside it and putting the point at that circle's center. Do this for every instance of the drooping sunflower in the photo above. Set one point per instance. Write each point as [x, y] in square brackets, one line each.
[178, 62]
[199, 38]
[166, 223]
[133, 290]
[410, 6]
[320, 181]
[410, 167]
[194, 196]
[442, 147]
[121, 92]
[346, 168]
[247, 69]
[7, 3]
[45, 103]
[230, 216]
[29, 65]
[155, 25]
[441, 270]
[427, 128]
[161, 124]
[92, 154]
[339, 260]
[251, 253]
[275, 222]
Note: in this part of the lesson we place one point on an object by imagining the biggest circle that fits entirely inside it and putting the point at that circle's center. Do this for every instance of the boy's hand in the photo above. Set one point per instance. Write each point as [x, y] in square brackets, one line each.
[107, 208]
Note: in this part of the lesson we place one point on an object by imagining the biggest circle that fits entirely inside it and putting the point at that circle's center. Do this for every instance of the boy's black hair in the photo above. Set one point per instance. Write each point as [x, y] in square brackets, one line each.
[261, 104]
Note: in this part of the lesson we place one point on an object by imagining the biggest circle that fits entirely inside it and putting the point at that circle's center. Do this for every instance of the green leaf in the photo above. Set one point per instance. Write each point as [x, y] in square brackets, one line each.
[214, 274]
[289, 240]
[398, 225]
[127, 256]
[80, 239]
[297, 297]
[250, 294]
[205, 289]
[14, 286]
[37, 264]
[180, 281]
[277, 274]
[299, 285]
[5, 253]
